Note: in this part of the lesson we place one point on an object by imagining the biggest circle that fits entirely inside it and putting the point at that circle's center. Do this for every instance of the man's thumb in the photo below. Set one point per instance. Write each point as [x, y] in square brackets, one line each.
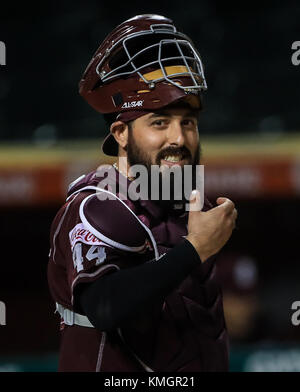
[195, 201]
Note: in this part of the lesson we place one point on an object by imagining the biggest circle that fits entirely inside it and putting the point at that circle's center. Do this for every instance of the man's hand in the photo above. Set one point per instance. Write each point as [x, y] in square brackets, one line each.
[209, 231]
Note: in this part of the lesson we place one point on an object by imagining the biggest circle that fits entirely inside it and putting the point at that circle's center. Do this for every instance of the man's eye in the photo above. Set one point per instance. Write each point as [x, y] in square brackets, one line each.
[159, 123]
[188, 122]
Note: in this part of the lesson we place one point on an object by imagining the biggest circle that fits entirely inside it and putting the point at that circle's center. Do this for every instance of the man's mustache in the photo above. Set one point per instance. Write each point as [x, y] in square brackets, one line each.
[181, 152]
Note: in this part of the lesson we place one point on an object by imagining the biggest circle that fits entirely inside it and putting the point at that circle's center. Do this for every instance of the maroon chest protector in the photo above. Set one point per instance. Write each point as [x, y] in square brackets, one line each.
[186, 332]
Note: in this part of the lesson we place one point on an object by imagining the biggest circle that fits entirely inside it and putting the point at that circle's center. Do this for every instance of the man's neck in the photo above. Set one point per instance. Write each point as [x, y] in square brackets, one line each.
[123, 166]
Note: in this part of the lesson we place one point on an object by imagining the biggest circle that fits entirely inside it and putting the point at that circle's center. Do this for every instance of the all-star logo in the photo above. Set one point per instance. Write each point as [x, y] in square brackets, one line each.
[132, 104]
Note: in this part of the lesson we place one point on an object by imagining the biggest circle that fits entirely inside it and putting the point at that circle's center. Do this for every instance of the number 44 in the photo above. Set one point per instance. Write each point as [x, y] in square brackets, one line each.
[95, 252]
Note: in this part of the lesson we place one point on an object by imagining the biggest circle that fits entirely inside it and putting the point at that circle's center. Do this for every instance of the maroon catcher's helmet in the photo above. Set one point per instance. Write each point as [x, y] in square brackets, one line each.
[144, 64]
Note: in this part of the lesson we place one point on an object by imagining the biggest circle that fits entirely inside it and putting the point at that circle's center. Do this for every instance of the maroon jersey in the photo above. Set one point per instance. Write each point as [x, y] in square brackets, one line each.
[90, 237]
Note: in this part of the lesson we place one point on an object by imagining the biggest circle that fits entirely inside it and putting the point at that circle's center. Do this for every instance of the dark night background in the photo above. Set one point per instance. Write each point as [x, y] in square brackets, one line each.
[246, 50]
[253, 88]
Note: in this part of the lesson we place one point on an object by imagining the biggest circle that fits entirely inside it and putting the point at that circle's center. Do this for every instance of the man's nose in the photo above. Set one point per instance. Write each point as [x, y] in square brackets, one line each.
[175, 134]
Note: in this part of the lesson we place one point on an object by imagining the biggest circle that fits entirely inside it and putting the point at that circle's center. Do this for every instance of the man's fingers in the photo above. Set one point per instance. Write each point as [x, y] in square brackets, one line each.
[232, 218]
[222, 200]
[227, 204]
[235, 214]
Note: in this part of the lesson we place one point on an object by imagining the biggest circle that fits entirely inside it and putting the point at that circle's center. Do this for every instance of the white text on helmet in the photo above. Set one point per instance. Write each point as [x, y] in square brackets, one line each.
[132, 104]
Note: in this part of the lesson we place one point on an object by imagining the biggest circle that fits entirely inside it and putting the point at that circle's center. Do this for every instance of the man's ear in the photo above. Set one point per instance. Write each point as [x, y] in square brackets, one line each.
[119, 130]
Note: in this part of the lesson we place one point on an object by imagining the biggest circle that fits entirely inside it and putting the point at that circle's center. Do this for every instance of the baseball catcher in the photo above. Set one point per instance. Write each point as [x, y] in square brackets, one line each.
[134, 278]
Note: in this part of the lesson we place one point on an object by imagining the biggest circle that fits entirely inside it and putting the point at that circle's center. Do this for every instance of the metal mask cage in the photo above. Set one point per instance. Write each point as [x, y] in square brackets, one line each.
[158, 48]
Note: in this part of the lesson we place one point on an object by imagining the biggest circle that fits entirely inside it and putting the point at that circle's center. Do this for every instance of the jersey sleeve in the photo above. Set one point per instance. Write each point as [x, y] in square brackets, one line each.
[78, 253]
[91, 257]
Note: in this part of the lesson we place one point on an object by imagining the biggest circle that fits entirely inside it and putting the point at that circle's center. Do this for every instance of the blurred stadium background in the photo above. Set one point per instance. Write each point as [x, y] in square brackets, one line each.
[250, 135]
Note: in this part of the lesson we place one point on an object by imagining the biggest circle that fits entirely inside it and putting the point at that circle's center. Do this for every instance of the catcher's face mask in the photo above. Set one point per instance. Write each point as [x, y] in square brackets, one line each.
[144, 64]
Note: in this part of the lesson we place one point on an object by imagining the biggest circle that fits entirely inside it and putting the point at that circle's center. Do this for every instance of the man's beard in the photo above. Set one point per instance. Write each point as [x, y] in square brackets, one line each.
[136, 156]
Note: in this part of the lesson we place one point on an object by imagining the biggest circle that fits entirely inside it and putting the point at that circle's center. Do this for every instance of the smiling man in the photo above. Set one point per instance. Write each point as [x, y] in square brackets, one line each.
[166, 137]
[134, 280]
[167, 140]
